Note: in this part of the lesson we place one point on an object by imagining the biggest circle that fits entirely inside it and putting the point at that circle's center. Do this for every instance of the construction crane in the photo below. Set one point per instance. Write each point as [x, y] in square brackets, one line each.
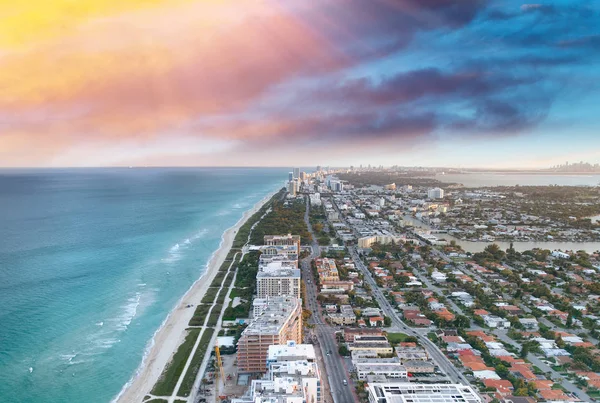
[219, 373]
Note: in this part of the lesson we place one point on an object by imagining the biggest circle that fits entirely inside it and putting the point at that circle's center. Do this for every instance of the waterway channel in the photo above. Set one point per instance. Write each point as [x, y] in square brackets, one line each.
[520, 246]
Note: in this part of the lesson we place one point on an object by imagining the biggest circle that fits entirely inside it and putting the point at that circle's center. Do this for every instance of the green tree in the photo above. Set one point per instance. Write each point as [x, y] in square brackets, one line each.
[524, 351]
[521, 392]
[502, 371]
[462, 321]
[343, 350]
[569, 322]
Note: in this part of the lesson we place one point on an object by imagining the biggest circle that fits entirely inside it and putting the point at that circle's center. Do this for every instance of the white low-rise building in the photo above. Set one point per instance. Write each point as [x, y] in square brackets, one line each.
[529, 323]
[439, 277]
[388, 367]
[496, 322]
[403, 392]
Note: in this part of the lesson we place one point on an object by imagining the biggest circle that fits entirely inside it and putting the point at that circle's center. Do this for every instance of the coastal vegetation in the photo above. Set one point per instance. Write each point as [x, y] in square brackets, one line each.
[245, 286]
[276, 215]
[168, 379]
[190, 376]
[244, 231]
[210, 295]
[200, 315]
[285, 217]
[213, 319]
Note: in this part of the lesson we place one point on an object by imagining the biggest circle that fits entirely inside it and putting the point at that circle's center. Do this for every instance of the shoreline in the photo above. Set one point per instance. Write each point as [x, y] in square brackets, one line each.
[169, 335]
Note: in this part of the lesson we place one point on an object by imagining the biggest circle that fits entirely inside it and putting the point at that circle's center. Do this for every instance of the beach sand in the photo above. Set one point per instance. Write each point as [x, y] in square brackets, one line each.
[171, 333]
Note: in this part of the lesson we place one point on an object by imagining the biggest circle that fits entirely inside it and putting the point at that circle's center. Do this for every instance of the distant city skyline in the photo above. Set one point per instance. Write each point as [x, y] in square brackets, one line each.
[265, 83]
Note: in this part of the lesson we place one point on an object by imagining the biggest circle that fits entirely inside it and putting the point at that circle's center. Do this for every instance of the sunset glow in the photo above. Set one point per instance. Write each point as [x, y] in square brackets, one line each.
[256, 77]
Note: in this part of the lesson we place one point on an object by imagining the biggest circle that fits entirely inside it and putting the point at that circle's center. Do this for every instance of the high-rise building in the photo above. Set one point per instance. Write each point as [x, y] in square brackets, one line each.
[404, 392]
[292, 188]
[280, 322]
[296, 173]
[292, 377]
[290, 176]
[276, 281]
[435, 193]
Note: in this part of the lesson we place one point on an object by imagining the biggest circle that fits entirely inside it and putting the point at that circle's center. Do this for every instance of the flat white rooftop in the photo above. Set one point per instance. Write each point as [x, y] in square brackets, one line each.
[402, 392]
[291, 350]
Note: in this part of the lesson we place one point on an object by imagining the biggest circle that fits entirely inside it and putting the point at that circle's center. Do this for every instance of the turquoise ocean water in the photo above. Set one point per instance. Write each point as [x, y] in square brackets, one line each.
[93, 260]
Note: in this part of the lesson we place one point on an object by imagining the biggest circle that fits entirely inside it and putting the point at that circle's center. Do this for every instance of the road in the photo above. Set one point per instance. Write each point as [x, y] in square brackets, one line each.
[336, 368]
[502, 335]
[434, 352]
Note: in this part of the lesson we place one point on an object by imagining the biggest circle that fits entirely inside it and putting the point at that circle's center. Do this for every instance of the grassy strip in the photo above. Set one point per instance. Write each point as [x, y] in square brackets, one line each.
[190, 376]
[213, 319]
[218, 279]
[228, 280]
[395, 338]
[199, 315]
[225, 265]
[172, 371]
[210, 295]
[221, 298]
[168, 379]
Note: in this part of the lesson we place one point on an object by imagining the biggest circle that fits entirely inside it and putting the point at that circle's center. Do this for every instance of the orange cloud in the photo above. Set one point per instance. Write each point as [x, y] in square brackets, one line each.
[23, 22]
[151, 69]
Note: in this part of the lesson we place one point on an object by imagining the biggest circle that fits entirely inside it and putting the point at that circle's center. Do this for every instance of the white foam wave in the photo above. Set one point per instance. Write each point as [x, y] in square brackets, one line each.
[200, 234]
[152, 341]
[68, 357]
[106, 343]
[177, 250]
[130, 311]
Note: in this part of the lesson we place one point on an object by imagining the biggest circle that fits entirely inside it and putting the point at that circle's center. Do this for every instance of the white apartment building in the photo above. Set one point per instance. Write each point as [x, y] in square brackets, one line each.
[496, 322]
[435, 193]
[403, 392]
[278, 282]
[366, 242]
[315, 199]
[388, 367]
[292, 377]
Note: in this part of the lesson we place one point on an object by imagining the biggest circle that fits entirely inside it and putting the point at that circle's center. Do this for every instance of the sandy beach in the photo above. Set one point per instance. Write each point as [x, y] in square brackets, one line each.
[170, 335]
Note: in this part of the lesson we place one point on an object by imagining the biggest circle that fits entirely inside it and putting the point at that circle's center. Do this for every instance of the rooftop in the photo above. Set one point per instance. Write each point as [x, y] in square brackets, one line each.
[275, 314]
[402, 392]
[278, 271]
[291, 350]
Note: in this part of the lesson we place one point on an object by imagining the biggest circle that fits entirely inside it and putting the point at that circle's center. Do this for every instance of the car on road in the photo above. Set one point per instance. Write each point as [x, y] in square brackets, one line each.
[345, 382]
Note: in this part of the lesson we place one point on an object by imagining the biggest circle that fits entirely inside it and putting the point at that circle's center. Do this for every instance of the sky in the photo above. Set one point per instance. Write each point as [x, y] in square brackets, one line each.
[465, 83]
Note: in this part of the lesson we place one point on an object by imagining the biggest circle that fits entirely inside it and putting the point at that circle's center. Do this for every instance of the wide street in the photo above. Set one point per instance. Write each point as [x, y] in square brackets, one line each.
[336, 370]
[435, 353]
[398, 325]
